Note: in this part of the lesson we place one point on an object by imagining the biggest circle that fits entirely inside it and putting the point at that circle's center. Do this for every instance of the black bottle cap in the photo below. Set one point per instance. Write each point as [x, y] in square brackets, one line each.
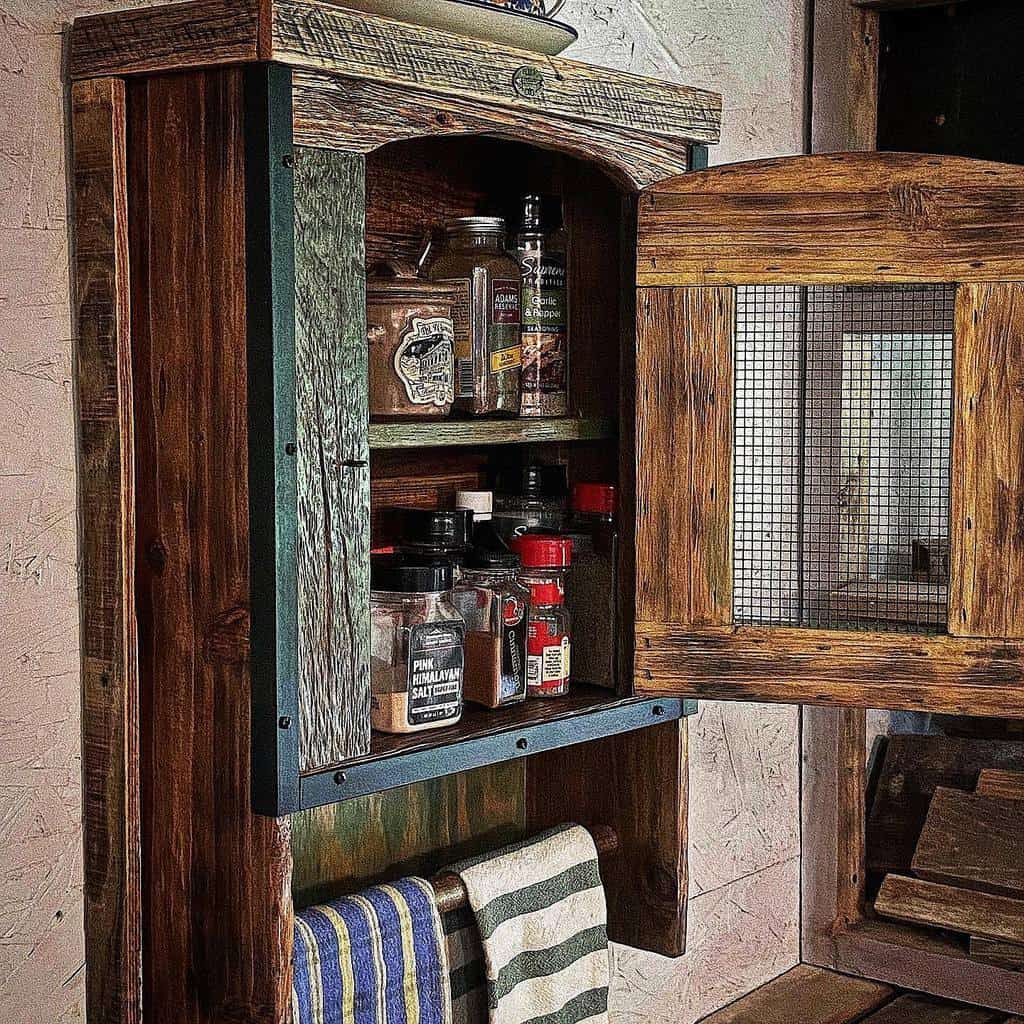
[402, 575]
[496, 554]
[435, 528]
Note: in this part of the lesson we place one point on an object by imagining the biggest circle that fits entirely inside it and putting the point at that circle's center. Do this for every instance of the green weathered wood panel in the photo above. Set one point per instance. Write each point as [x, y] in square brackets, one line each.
[333, 456]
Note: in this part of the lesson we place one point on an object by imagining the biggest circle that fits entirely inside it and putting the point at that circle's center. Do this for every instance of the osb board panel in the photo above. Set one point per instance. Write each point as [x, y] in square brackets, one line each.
[862, 218]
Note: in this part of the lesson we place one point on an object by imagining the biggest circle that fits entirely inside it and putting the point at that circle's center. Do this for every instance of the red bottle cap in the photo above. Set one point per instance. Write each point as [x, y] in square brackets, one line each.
[598, 498]
[542, 550]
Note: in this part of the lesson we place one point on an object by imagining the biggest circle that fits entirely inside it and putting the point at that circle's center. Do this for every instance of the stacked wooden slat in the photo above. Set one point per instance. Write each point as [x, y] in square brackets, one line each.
[961, 868]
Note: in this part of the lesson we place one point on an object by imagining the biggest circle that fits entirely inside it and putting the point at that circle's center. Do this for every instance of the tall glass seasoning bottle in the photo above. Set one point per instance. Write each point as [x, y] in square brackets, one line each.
[488, 346]
[541, 249]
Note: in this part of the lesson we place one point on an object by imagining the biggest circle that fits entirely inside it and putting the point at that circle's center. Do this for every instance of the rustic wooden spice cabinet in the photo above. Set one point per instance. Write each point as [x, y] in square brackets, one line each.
[237, 167]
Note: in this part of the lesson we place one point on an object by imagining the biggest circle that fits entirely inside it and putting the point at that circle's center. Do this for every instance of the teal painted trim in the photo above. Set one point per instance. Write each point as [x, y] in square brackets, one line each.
[270, 288]
[698, 158]
[361, 778]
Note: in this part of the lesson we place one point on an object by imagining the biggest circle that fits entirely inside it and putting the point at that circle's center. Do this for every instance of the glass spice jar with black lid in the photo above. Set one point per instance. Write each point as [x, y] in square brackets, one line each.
[488, 346]
[493, 604]
[417, 645]
[444, 533]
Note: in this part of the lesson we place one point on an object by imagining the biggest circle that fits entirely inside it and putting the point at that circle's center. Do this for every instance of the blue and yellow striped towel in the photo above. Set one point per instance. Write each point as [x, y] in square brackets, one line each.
[375, 958]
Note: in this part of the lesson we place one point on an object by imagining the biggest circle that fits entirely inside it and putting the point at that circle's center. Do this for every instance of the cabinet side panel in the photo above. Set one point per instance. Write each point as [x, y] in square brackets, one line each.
[110, 768]
[637, 784]
[332, 416]
[987, 512]
[217, 909]
[684, 455]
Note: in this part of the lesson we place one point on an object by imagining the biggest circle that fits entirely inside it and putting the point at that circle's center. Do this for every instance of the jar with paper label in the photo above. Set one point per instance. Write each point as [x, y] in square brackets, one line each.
[417, 646]
[545, 558]
[488, 346]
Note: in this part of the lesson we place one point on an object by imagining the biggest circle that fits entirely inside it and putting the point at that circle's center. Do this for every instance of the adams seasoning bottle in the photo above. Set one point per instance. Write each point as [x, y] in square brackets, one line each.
[488, 347]
[541, 250]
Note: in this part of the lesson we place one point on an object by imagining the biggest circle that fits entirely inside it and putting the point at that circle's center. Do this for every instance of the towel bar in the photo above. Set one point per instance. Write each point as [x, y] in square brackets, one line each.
[451, 893]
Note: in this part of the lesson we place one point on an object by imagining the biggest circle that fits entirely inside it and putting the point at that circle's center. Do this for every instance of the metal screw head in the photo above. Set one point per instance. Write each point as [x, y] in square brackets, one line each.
[285, 722]
[339, 778]
[522, 744]
[528, 81]
[657, 711]
[288, 160]
[290, 448]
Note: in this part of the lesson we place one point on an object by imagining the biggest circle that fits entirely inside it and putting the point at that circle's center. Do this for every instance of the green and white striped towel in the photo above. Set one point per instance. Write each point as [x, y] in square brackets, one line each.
[541, 912]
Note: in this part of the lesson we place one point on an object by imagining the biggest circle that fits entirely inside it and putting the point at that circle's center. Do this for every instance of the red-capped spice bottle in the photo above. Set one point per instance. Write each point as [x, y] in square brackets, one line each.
[545, 558]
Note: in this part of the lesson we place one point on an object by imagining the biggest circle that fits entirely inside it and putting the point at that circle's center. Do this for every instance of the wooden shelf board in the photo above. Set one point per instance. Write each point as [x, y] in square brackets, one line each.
[484, 737]
[452, 433]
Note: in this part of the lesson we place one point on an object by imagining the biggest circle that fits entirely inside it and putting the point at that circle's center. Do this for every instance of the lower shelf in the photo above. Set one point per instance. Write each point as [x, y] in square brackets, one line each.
[485, 737]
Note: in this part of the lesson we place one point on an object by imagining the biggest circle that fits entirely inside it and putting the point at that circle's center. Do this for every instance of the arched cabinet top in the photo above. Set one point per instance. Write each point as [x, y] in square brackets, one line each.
[842, 218]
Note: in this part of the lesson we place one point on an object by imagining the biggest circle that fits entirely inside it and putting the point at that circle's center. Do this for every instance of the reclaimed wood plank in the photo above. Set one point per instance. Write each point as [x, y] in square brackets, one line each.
[333, 553]
[414, 830]
[363, 115]
[645, 879]
[1000, 954]
[824, 667]
[110, 683]
[167, 37]
[452, 433]
[986, 509]
[844, 218]
[973, 841]
[313, 35]
[1003, 784]
[806, 995]
[926, 961]
[915, 1009]
[684, 456]
[945, 906]
[900, 5]
[218, 914]
[912, 769]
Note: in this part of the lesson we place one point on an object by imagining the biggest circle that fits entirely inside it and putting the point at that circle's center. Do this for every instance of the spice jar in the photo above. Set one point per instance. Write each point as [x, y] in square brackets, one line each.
[545, 558]
[411, 340]
[535, 498]
[591, 591]
[442, 534]
[493, 604]
[417, 646]
[488, 347]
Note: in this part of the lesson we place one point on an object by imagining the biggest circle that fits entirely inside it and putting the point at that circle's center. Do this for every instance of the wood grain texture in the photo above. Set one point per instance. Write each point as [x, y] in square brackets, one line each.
[901, 5]
[217, 916]
[914, 1009]
[914, 767]
[999, 954]
[636, 783]
[333, 553]
[987, 495]
[945, 906]
[314, 35]
[846, 218]
[805, 666]
[1003, 784]
[362, 116]
[204, 32]
[110, 684]
[684, 456]
[414, 830]
[973, 841]
[926, 961]
[832, 839]
[463, 433]
[806, 995]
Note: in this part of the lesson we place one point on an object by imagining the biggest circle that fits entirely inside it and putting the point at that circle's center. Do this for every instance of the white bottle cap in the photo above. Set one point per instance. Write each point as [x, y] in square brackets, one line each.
[481, 502]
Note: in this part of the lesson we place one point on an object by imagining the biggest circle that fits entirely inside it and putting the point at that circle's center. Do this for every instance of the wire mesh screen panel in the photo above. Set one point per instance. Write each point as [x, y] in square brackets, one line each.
[842, 456]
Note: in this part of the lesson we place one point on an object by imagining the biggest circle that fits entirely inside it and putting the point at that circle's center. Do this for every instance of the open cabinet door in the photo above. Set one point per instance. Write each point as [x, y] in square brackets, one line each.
[830, 434]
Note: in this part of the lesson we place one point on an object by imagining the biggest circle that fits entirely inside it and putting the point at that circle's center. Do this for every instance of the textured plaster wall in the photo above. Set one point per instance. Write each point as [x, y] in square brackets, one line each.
[744, 781]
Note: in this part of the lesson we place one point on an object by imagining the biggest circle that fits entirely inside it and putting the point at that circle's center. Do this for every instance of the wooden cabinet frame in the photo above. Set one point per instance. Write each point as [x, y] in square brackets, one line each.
[838, 219]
